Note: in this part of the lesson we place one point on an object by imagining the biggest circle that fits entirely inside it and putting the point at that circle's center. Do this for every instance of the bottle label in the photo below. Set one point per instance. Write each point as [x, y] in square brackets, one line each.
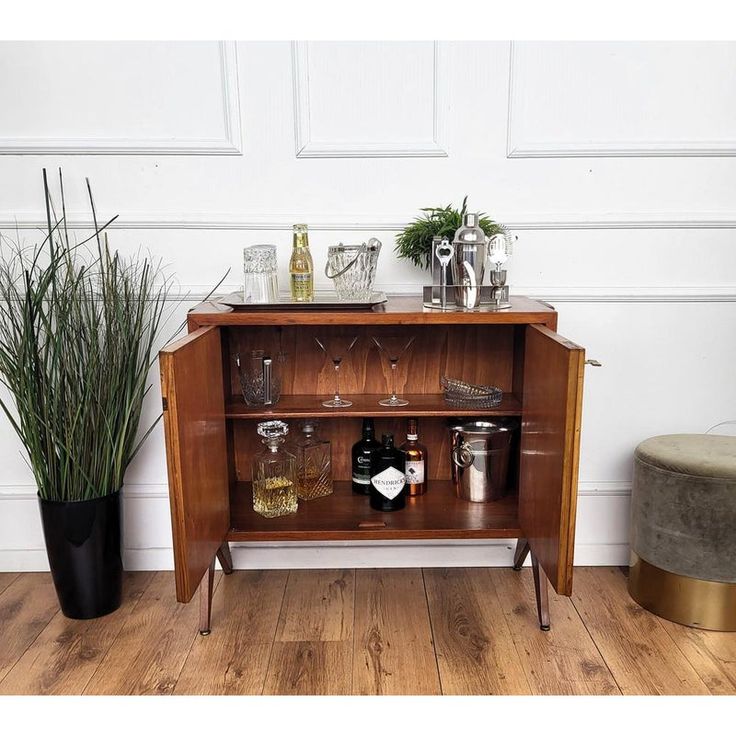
[414, 472]
[362, 471]
[389, 482]
[301, 286]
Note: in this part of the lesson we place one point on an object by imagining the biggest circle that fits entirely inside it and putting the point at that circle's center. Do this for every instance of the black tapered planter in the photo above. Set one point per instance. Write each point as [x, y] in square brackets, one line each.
[83, 546]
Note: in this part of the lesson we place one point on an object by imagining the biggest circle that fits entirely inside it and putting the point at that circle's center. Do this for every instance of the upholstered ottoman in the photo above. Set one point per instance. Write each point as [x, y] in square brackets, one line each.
[683, 529]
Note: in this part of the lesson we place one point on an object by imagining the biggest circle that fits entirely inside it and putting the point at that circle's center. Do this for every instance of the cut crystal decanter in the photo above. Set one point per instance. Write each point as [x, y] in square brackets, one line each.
[313, 463]
[274, 473]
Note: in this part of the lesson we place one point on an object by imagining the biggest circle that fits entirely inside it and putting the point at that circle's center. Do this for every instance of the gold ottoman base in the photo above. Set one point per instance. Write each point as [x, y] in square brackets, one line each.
[703, 604]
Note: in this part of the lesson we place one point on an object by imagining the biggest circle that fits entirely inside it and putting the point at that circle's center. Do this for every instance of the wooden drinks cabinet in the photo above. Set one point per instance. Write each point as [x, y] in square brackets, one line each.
[211, 433]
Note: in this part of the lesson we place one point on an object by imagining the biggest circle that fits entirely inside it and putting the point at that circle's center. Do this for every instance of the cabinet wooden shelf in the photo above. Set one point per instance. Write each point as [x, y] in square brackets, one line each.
[343, 515]
[365, 405]
[211, 437]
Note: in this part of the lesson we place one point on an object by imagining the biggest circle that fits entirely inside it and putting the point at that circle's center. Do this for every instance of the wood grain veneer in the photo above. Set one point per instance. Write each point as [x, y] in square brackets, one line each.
[308, 406]
[438, 514]
[482, 354]
[399, 310]
[196, 453]
[550, 438]
[344, 432]
[211, 433]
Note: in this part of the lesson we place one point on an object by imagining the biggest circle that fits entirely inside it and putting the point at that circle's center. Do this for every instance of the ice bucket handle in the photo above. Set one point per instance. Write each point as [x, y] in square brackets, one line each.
[462, 455]
[363, 249]
[347, 268]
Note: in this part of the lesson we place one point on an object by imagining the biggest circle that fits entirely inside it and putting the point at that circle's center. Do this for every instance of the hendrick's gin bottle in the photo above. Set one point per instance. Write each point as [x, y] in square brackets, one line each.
[388, 477]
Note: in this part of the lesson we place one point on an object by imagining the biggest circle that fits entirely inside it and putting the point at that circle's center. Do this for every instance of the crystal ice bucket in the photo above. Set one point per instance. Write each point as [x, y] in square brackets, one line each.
[352, 269]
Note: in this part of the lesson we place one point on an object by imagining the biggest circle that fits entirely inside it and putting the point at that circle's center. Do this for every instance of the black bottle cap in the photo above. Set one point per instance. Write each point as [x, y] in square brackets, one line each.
[368, 427]
[387, 440]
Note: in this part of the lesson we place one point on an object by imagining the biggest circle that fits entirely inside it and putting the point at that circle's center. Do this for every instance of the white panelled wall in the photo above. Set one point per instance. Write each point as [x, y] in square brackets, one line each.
[613, 162]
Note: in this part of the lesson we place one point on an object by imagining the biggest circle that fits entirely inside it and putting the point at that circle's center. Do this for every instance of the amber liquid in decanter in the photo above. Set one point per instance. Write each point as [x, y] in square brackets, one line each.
[313, 463]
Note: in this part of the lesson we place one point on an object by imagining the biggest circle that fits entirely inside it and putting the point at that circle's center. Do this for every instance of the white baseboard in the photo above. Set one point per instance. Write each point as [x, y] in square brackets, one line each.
[602, 534]
[262, 557]
[602, 554]
[23, 560]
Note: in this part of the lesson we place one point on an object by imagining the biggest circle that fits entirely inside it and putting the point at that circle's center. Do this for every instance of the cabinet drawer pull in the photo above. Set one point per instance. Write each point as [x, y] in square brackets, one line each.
[371, 525]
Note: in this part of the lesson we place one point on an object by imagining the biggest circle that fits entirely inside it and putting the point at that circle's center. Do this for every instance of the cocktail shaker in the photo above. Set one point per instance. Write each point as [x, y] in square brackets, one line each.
[469, 262]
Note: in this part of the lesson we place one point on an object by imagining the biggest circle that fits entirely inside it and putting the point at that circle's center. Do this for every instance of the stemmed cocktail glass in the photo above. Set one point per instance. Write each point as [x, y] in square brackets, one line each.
[393, 347]
[336, 348]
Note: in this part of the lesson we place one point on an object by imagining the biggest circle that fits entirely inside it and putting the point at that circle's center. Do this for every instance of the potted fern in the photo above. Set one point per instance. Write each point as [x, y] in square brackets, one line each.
[415, 240]
[78, 327]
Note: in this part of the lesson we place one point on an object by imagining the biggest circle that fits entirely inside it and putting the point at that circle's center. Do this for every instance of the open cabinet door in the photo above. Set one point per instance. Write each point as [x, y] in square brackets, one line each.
[196, 452]
[550, 444]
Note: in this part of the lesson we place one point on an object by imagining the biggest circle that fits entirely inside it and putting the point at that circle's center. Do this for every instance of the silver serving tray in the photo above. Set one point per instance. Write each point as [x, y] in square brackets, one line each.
[432, 300]
[322, 300]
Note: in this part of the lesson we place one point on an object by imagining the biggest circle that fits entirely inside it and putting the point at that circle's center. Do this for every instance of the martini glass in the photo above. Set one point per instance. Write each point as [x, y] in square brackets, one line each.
[336, 349]
[393, 347]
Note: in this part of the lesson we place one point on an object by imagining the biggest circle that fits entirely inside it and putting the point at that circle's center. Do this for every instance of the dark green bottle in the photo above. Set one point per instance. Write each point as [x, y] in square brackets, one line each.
[363, 451]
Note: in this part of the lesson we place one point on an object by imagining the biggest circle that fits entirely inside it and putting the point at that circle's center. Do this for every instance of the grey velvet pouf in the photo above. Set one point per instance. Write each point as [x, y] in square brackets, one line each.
[683, 529]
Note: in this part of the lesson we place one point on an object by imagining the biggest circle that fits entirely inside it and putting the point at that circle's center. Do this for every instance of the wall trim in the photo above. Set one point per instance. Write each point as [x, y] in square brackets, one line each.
[307, 148]
[612, 294]
[27, 491]
[377, 222]
[705, 293]
[603, 148]
[631, 294]
[608, 149]
[231, 144]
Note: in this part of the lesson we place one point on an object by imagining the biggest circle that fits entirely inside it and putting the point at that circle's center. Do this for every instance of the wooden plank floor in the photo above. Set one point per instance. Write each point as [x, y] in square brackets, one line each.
[364, 632]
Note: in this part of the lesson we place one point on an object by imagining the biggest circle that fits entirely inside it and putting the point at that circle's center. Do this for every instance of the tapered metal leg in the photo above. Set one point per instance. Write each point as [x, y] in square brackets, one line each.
[522, 550]
[540, 589]
[225, 558]
[205, 599]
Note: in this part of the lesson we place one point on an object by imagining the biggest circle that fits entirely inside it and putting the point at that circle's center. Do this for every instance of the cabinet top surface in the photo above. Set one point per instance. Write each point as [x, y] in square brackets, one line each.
[397, 310]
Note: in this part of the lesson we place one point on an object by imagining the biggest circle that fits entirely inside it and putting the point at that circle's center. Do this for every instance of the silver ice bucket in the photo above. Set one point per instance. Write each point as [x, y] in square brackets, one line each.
[479, 455]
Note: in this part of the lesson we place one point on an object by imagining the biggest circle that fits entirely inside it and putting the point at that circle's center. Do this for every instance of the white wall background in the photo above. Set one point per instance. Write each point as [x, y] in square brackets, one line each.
[613, 162]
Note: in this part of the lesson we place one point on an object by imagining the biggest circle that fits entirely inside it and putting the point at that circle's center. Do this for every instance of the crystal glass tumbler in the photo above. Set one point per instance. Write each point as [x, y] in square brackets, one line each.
[260, 271]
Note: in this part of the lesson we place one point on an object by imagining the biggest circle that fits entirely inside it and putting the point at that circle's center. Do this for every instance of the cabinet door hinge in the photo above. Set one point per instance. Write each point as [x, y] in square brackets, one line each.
[164, 403]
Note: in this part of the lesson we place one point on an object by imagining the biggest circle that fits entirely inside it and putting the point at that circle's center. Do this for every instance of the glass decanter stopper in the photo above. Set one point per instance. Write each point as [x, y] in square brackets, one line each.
[274, 473]
[313, 463]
